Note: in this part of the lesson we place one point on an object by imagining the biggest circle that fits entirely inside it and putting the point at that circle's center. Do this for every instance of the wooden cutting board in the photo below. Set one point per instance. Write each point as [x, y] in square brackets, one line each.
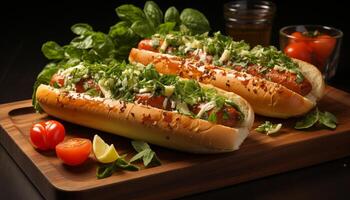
[180, 173]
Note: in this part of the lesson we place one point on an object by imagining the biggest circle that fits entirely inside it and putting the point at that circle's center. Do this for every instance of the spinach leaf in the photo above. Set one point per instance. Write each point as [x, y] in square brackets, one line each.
[103, 45]
[82, 42]
[172, 15]
[52, 50]
[194, 21]
[153, 13]
[81, 29]
[130, 13]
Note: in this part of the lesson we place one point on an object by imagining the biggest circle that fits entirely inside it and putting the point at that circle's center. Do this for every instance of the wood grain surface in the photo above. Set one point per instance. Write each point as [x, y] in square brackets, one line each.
[180, 173]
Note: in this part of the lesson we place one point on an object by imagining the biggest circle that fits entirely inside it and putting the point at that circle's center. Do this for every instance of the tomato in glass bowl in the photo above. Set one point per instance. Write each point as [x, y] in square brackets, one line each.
[315, 44]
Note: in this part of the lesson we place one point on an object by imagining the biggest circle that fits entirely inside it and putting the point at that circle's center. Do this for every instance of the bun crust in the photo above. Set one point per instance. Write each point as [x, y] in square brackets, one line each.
[140, 122]
[267, 98]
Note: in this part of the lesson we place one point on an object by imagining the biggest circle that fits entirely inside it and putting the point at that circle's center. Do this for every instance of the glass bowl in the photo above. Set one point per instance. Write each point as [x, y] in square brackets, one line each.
[315, 44]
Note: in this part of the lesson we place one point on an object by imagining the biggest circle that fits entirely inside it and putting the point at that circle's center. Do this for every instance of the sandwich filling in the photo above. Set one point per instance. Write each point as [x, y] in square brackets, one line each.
[222, 51]
[144, 85]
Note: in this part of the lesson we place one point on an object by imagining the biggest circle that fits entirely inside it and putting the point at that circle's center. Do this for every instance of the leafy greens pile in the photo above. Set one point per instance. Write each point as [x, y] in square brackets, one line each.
[92, 46]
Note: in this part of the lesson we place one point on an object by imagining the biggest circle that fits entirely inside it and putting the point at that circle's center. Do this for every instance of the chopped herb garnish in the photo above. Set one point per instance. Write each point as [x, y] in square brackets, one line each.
[268, 128]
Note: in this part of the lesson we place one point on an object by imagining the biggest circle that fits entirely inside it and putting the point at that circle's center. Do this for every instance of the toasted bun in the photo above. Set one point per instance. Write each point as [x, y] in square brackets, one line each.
[267, 98]
[140, 122]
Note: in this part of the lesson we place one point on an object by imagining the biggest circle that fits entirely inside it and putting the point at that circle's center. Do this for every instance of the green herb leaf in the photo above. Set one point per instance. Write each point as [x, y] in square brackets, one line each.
[140, 145]
[328, 119]
[106, 170]
[317, 117]
[52, 50]
[130, 13]
[146, 153]
[268, 128]
[143, 28]
[172, 15]
[153, 13]
[166, 27]
[309, 120]
[195, 21]
[212, 117]
[81, 29]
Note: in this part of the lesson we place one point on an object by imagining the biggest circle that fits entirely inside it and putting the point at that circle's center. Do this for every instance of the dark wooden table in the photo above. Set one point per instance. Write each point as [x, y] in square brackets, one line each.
[28, 26]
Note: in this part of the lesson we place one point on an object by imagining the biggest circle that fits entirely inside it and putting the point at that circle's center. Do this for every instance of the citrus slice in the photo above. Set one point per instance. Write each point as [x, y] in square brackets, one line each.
[103, 152]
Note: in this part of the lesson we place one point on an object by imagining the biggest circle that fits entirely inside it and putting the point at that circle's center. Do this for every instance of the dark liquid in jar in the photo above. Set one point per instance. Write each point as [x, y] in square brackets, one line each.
[252, 34]
[250, 21]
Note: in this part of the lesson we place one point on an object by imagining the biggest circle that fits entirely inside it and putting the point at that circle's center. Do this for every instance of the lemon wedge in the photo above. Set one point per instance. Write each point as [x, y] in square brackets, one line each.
[103, 152]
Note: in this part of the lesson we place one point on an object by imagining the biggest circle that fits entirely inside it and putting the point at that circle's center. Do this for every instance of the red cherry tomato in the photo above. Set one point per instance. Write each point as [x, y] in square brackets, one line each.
[299, 50]
[298, 37]
[322, 47]
[57, 79]
[46, 135]
[146, 44]
[74, 151]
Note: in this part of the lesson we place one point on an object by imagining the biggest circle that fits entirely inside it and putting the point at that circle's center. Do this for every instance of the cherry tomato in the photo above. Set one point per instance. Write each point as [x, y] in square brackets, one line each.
[46, 135]
[74, 151]
[322, 47]
[146, 44]
[298, 37]
[57, 79]
[299, 50]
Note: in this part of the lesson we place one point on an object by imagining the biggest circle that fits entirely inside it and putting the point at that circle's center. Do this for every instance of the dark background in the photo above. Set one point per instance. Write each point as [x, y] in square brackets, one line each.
[27, 25]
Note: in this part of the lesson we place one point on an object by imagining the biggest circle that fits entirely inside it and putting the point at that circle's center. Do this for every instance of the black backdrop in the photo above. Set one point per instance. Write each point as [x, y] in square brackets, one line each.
[27, 25]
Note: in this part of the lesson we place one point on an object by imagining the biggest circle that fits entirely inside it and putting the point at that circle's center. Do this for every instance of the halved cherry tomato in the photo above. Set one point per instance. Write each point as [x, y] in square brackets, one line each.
[299, 50]
[57, 79]
[146, 44]
[74, 151]
[298, 37]
[46, 135]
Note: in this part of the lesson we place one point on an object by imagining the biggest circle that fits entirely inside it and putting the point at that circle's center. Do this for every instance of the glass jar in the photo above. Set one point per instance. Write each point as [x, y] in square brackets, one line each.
[250, 21]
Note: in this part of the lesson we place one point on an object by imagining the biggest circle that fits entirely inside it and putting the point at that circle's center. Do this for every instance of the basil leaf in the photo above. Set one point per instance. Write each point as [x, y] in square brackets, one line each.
[52, 50]
[148, 157]
[123, 164]
[328, 119]
[130, 13]
[309, 120]
[105, 171]
[103, 45]
[143, 28]
[72, 52]
[82, 42]
[140, 145]
[153, 13]
[195, 21]
[81, 29]
[172, 15]
[166, 27]
[139, 155]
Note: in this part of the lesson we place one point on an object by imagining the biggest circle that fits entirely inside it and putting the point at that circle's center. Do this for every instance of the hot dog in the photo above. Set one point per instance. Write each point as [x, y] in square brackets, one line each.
[274, 84]
[137, 102]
